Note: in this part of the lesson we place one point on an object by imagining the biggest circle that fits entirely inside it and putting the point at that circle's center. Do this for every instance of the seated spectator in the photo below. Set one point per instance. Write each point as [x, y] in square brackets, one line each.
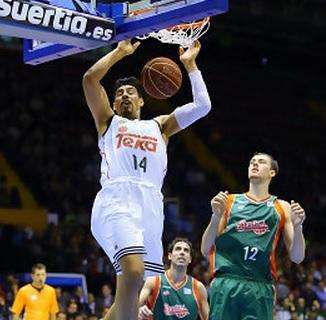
[72, 309]
[62, 301]
[321, 294]
[61, 316]
[4, 309]
[106, 300]
[301, 308]
[93, 306]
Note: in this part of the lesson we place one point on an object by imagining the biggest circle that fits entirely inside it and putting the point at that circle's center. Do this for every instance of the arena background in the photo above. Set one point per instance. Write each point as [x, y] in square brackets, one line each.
[264, 65]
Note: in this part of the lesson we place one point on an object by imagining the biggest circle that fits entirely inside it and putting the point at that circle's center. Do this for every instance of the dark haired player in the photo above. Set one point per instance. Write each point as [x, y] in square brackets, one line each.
[127, 216]
[241, 242]
[174, 295]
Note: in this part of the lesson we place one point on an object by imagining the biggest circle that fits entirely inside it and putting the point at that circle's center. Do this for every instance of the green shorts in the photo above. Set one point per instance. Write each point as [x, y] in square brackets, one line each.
[241, 299]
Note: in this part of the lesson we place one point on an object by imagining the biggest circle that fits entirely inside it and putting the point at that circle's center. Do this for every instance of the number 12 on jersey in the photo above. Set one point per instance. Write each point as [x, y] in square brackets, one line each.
[142, 164]
[250, 253]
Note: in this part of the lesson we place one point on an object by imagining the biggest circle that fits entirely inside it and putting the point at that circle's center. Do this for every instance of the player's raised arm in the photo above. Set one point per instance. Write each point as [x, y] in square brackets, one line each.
[293, 235]
[187, 114]
[96, 96]
[218, 203]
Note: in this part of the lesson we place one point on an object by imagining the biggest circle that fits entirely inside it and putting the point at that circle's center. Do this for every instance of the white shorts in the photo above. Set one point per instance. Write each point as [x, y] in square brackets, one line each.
[127, 218]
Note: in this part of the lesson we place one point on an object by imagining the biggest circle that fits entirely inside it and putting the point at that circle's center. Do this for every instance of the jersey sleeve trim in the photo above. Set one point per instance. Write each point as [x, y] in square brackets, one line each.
[198, 297]
[273, 256]
[159, 125]
[108, 125]
[211, 259]
[227, 213]
[155, 292]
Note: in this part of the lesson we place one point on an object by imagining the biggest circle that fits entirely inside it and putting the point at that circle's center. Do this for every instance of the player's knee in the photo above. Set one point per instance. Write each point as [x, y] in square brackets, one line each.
[134, 274]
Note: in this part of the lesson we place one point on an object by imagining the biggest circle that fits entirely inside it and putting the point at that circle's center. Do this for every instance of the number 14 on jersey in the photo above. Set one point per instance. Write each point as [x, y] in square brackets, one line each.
[140, 164]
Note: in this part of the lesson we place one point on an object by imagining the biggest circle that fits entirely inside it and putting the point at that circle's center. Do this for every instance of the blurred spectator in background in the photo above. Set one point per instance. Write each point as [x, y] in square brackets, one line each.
[61, 316]
[4, 308]
[106, 298]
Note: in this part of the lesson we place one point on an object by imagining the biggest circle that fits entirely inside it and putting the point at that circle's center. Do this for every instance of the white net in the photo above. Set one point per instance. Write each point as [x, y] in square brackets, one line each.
[184, 35]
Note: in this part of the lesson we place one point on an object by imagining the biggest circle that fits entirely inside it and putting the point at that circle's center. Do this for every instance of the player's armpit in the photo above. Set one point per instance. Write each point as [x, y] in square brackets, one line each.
[169, 125]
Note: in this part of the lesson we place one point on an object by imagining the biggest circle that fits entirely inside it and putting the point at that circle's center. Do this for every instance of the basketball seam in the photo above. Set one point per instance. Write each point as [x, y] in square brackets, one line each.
[156, 88]
[162, 74]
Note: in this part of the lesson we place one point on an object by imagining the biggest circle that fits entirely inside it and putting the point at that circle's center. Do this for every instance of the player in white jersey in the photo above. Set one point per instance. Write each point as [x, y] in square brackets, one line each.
[127, 217]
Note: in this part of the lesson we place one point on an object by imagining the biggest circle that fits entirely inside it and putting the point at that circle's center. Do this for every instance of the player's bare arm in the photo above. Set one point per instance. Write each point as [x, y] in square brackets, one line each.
[96, 96]
[204, 306]
[144, 311]
[218, 204]
[293, 235]
[184, 116]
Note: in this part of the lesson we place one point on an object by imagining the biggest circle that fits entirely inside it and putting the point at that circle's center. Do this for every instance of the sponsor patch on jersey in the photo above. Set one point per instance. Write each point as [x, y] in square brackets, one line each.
[258, 227]
[179, 310]
[136, 141]
[123, 129]
[186, 291]
[270, 204]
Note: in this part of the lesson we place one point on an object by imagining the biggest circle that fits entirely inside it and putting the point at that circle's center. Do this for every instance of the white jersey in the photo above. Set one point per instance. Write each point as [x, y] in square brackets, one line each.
[133, 149]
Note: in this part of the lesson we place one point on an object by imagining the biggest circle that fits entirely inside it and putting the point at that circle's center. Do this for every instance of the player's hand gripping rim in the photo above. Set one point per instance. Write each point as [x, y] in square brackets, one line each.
[127, 48]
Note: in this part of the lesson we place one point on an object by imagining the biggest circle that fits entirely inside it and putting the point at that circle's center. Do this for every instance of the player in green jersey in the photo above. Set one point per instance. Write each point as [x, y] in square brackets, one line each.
[174, 295]
[241, 242]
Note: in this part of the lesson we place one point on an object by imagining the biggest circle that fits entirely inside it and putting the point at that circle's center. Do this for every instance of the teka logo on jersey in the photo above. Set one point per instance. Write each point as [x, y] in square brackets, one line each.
[179, 310]
[257, 227]
[136, 141]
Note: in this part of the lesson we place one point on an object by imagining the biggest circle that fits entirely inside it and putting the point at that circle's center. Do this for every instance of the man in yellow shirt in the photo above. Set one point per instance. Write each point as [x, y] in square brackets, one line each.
[37, 298]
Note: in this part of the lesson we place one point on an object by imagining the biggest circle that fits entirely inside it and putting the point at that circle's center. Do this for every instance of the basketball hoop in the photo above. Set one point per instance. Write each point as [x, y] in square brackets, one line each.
[183, 34]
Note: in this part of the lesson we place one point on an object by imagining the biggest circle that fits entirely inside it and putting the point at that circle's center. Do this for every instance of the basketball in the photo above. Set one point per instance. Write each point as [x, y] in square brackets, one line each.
[161, 78]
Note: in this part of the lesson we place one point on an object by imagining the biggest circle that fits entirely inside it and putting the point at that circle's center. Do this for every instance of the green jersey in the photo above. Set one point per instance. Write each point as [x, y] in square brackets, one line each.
[247, 245]
[172, 302]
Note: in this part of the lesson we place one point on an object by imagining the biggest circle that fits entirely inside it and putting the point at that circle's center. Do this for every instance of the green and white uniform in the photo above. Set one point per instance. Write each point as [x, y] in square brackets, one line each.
[243, 260]
[171, 302]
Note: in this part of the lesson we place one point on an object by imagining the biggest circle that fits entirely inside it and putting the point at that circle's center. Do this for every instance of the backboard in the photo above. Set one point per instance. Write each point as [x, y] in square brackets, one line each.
[65, 27]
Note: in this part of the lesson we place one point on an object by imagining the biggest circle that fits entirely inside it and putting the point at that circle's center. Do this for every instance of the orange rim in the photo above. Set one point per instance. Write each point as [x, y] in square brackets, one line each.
[190, 25]
[196, 24]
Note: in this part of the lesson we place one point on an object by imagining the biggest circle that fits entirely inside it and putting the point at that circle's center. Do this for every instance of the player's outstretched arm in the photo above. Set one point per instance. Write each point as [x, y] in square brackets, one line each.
[218, 204]
[96, 96]
[144, 312]
[293, 235]
[184, 116]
